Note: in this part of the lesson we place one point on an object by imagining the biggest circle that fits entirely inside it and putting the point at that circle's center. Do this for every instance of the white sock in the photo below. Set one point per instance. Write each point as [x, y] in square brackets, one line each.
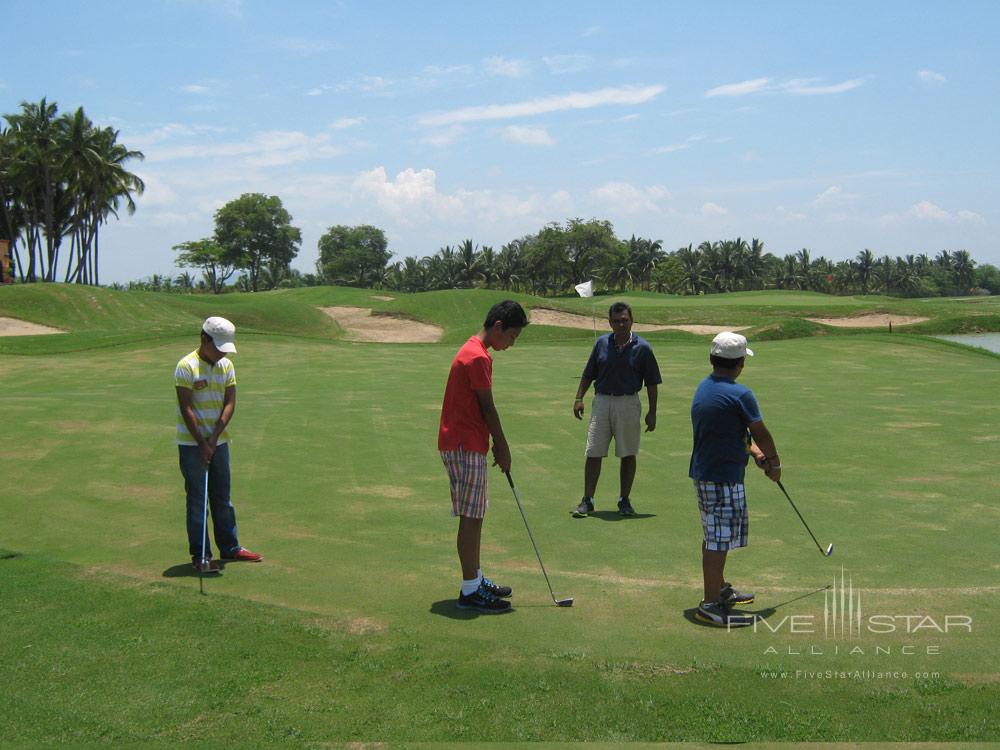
[479, 573]
[470, 587]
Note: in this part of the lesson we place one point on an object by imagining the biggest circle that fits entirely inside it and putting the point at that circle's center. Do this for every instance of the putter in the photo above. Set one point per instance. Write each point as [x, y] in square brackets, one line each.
[204, 537]
[568, 602]
[829, 550]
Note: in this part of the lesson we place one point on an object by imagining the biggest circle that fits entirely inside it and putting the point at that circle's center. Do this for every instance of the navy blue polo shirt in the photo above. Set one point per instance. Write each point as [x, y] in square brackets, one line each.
[621, 373]
[721, 412]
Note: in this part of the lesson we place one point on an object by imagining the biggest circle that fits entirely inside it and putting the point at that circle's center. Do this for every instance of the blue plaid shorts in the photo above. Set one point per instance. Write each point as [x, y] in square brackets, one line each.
[724, 517]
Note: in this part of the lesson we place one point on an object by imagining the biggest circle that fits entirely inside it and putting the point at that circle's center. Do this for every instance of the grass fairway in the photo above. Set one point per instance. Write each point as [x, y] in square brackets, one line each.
[348, 631]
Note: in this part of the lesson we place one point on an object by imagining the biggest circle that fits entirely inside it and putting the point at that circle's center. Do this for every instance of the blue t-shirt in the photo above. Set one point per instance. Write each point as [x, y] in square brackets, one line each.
[621, 373]
[721, 411]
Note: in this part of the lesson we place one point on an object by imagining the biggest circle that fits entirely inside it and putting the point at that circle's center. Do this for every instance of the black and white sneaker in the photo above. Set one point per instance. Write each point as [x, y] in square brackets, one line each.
[625, 507]
[483, 601]
[586, 506]
[496, 589]
[719, 615]
[731, 597]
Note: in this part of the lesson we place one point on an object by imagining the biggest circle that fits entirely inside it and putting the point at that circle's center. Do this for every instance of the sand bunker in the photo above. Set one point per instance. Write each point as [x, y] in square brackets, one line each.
[15, 327]
[361, 325]
[544, 317]
[869, 321]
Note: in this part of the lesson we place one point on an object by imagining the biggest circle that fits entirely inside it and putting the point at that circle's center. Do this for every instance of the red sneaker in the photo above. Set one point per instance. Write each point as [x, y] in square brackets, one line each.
[243, 555]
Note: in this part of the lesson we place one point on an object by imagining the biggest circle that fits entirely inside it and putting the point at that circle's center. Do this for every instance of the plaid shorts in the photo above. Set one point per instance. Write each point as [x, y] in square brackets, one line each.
[467, 474]
[724, 517]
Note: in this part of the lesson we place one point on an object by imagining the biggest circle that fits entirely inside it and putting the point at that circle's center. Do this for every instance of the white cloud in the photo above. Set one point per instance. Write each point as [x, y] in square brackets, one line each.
[783, 214]
[834, 196]
[928, 210]
[673, 147]
[411, 194]
[627, 199]
[500, 66]
[343, 123]
[970, 216]
[795, 86]
[195, 88]
[444, 137]
[925, 211]
[713, 209]
[169, 132]
[304, 47]
[740, 89]
[528, 136]
[265, 149]
[805, 87]
[576, 100]
[567, 63]
[929, 76]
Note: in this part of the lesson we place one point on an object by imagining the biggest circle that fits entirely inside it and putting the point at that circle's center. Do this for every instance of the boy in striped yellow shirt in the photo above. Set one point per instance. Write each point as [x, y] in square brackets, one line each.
[205, 381]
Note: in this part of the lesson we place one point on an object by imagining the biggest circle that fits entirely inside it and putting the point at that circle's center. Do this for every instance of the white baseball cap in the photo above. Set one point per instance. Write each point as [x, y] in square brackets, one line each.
[222, 332]
[729, 345]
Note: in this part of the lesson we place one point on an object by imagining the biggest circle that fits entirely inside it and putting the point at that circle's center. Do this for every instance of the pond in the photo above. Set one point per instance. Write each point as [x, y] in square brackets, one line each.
[989, 341]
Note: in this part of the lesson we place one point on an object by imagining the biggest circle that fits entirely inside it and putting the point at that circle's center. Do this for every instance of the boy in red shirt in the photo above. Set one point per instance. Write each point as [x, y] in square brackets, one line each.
[468, 419]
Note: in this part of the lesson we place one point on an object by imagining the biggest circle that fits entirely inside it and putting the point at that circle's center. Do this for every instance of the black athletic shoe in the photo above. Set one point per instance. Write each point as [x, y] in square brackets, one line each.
[731, 597]
[496, 589]
[586, 506]
[483, 601]
[625, 507]
[719, 615]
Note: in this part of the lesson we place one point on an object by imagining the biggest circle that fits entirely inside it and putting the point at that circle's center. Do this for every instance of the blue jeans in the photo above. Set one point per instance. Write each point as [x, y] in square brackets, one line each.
[221, 509]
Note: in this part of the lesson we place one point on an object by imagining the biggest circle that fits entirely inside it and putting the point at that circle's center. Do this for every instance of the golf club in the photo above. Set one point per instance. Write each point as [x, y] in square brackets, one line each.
[203, 565]
[829, 550]
[568, 602]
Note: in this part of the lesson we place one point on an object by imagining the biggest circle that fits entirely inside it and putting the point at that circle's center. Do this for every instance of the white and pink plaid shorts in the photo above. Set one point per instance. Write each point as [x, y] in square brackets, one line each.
[467, 474]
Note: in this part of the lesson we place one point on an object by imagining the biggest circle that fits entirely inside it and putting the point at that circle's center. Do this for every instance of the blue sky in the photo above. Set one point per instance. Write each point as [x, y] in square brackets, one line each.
[832, 126]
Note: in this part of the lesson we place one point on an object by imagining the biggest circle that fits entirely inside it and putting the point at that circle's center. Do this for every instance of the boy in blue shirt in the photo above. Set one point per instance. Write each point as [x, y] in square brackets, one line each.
[728, 428]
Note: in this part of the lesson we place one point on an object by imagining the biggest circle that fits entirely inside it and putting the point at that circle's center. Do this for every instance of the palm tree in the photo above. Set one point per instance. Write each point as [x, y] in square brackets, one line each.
[964, 270]
[864, 269]
[467, 271]
[692, 267]
[643, 256]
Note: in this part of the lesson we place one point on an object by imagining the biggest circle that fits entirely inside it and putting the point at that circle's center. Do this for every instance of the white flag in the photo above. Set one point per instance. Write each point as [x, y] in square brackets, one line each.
[586, 289]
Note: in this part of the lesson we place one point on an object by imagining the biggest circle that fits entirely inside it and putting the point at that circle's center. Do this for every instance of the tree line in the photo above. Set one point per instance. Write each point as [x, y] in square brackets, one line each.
[550, 262]
[61, 178]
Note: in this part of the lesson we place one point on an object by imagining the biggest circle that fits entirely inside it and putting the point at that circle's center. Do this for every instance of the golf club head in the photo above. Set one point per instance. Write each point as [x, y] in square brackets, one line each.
[829, 550]
[564, 602]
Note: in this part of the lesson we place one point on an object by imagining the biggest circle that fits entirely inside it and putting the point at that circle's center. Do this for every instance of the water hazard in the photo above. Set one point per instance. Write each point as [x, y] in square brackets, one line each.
[990, 341]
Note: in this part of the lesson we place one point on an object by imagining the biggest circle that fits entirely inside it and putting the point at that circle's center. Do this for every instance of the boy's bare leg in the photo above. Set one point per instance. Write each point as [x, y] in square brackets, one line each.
[469, 533]
[713, 565]
[591, 473]
[626, 475]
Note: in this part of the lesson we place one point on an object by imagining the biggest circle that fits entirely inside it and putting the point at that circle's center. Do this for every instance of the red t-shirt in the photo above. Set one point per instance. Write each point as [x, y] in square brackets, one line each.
[462, 423]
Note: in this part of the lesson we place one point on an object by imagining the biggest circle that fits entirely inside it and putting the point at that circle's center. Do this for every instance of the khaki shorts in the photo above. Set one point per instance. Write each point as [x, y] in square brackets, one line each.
[614, 416]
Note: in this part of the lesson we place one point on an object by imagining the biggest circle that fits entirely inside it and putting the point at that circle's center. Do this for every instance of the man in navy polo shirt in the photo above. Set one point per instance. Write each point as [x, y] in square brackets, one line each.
[620, 364]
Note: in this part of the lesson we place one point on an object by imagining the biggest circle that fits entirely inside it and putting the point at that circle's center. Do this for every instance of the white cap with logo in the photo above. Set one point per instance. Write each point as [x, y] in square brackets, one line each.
[222, 333]
[729, 345]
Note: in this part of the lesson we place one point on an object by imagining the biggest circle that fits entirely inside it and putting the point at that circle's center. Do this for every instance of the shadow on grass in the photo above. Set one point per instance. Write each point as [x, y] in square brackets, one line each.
[447, 608]
[614, 515]
[760, 614]
[186, 570]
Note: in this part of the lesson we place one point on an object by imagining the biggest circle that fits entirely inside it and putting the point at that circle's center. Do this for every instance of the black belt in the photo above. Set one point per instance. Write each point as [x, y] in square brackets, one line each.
[601, 393]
